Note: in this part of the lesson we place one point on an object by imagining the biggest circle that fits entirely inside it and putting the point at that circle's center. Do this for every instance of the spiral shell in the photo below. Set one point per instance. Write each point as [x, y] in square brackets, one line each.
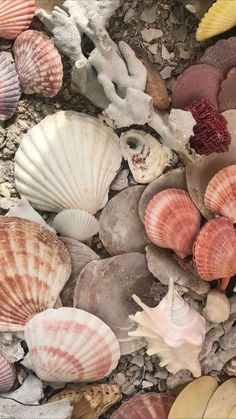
[15, 17]
[9, 88]
[7, 375]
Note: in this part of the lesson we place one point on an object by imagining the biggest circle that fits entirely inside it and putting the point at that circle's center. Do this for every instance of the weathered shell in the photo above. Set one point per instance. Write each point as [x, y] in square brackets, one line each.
[35, 266]
[9, 88]
[220, 195]
[38, 64]
[70, 345]
[172, 221]
[74, 166]
[76, 224]
[221, 55]
[217, 308]
[7, 375]
[214, 251]
[145, 406]
[228, 92]
[15, 17]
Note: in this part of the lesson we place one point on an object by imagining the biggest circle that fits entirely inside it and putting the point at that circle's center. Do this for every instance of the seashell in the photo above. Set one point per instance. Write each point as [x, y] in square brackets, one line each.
[187, 90]
[74, 167]
[68, 344]
[76, 224]
[35, 266]
[221, 56]
[15, 17]
[145, 406]
[38, 64]
[172, 221]
[59, 410]
[214, 251]
[232, 414]
[174, 331]
[228, 92]
[173, 179]
[7, 375]
[220, 195]
[9, 88]
[48, 5]
[147, 157]
[230, 367]
[120, 228]
[222, 402]
[217, 309]
[219, 18]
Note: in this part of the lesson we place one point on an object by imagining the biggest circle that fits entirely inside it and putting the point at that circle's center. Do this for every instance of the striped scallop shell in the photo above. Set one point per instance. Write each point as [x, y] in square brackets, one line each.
[38, 64]
[220, 195]
[7, 375]
[172, 221]
[15, 17]
[35, 266]
[214, 251]
[69, 344]
[76, 224]
[9, 88]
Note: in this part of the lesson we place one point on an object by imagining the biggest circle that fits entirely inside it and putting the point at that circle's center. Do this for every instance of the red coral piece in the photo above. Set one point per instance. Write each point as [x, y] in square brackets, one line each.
[210, 132]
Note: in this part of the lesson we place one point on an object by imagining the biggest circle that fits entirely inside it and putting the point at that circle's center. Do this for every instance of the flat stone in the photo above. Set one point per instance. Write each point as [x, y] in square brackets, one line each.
[151, 378]
[149, 34]
[147, 384]
[128, 389]
[129, 15]
[121, 181]
[149, 14]
[120, 378]
[153, 48]
[138, 360]
[166, 72]
[181, 33]
[165, 53]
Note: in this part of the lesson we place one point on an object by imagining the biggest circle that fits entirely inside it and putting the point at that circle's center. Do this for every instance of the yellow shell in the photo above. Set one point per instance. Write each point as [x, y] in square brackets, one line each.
[220, 17]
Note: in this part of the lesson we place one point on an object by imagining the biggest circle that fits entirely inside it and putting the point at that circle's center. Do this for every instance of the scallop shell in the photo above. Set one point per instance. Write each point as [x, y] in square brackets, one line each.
[9, 88]
[15, 17]
[7, 375]
[220, 17]
[174, 331]
[220, 195]
[221, 55]
[172, 221]
[38, 64]
[145, 406]
[35, 266]
[214, 251]
[227, 95]
[68, 345]
[76, 224]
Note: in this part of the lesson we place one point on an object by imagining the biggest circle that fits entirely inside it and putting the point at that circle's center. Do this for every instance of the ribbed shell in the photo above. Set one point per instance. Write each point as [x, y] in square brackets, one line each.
[9, 88]
[227, 95]
[68, 160]
[7, 375]
[15, 17]
[220, 195]
[76, 224]
[35, 266]
[172, 221]
[38, 64]
[68, 345]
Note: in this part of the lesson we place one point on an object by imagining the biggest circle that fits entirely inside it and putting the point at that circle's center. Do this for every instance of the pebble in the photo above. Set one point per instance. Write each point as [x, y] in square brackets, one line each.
[178, 381]
[5, 189]
[165, 53]
[161, 373]
[181, 33]
[150, 378]
[120, 378]
[166, 72]
[149, 14]
[121, 181]
[162, 386]
[147, 384]
[128, 389]
[129, 15]
[149, 365]
[138, 360]
[149, 35]
[153, 49]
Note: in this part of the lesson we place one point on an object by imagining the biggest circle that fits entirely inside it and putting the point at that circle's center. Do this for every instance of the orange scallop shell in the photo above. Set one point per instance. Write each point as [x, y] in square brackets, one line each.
[15, 17]
[172, 221]
[220, 195]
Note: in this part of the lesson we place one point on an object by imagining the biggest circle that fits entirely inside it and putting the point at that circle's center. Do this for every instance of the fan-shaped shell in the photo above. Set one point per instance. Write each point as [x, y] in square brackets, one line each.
[70, 345]
[220, 195]
[214, 251]
[35, 266]
[227, 95]
[221, 55]
[67, 161]
[38, 64]
[77, 224]
[9, 88]
[7, 374]
[172, 221]
[15, 17]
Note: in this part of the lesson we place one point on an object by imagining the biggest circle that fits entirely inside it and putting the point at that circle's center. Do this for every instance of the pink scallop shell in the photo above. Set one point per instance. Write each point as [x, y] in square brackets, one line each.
[7, 374]
[15, 17]
[220, 195]
[38, 64]
[172, 221]
[9, 88]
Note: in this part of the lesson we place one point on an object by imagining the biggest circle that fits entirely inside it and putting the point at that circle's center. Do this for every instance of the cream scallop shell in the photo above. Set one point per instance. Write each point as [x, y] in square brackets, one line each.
[76, 224]
[67, 161]
[7, 375]
[15, 17]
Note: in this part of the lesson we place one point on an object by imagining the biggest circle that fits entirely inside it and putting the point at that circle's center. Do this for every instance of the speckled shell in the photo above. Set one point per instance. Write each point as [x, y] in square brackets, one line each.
[220, 195]
[68, 345]
[15, 17]
[38, 64]
[172, 221]
[76, 224]
[7, 375]
[9, 88]
[35, 266]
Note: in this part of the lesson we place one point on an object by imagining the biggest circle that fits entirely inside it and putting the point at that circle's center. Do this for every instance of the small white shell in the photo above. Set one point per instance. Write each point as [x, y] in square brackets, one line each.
[217, 307]
[76, 224]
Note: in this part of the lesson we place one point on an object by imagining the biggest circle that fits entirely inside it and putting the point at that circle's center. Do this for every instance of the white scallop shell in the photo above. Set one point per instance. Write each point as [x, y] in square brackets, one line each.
[7, 374]
[69, 344]
[76, 224]
[67, 161]
[173, 330]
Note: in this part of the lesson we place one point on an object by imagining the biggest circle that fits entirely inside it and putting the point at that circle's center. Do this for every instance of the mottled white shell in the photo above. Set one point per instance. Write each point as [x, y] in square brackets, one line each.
[173, 330]
[67, 161]
[76, 224]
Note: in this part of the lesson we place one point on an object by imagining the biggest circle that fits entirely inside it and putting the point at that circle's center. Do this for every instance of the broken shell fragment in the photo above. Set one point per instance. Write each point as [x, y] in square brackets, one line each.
[228, 92]
[221, 56]
[222, 402]
[7, 375]
[15, 17]
[48, 5]
[9, 88]
[217, 309]
[76, 224]
[230, 367]
[172, 221]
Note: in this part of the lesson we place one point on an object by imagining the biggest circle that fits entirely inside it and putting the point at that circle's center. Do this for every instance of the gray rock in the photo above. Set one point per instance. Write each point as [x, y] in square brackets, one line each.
[128, 389]
[149, 14]
[149, 35]
[177, 382]
[138, 360]
[121, 181]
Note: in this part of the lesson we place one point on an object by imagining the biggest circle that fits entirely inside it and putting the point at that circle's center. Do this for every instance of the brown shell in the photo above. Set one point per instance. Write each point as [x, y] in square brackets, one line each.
[227, 95]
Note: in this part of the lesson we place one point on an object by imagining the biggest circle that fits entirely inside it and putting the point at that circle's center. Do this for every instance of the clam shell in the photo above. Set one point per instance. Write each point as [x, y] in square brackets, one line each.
[76, 224]
[172, 221]
[74, 166]
[220, 195]
[7, 375]
[68, 345]
[35, 266]
[9, 88]
[15, 17]
[227, 93]
[38, 64]
[221, 55]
